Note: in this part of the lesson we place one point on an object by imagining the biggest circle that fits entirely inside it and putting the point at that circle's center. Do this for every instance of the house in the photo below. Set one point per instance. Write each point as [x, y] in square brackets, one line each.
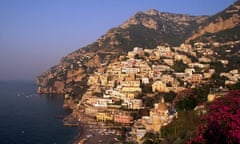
[189, 71]
[167, 79]
[169, 61]
[131, 89]
[103, 80]
[128, 96]
[131, 54]
[199, 45]
[101, 102]
[145, 80]
[134, 83]
[159, 86]
[155, 55]
[181, 75]
[160, 68]
[111, 84]
[186, 47]
[216, 93]
[123, 118]
[104, 116]
[232, 76]
[199, 65]
[138, 50]
[165, 51]
[204, 59]
[135, 104]
[130, 70]
[224, 62]
[196, 78]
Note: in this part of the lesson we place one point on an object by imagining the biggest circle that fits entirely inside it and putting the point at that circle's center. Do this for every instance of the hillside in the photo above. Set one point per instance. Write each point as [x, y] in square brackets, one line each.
[144, 29]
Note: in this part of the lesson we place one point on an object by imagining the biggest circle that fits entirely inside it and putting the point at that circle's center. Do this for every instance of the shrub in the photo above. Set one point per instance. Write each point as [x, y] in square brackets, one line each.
[222, 123]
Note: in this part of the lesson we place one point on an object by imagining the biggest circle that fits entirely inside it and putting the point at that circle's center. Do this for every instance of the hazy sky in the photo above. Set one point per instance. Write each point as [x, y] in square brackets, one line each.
[35, 34]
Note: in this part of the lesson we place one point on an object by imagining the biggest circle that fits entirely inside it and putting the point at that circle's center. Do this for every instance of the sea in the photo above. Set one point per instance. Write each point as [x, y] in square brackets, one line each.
[29, 118]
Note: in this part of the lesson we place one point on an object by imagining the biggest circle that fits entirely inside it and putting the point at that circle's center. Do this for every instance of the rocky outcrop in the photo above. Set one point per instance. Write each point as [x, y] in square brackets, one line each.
[156, 20]
[227, 19]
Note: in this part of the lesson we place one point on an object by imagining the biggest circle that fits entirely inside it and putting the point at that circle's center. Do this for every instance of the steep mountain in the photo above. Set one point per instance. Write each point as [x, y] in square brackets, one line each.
[226, 21]
[149, 29]
[144, 29]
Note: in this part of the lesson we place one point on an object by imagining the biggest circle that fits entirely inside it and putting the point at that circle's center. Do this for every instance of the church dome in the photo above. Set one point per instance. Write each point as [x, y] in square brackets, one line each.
[162, 107]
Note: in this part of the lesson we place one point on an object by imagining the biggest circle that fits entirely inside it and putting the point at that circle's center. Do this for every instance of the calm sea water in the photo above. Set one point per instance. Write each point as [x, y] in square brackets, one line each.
[28, 118]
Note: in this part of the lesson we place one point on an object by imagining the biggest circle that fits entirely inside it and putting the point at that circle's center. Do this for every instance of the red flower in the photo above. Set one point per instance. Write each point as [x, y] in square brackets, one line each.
[222, 123]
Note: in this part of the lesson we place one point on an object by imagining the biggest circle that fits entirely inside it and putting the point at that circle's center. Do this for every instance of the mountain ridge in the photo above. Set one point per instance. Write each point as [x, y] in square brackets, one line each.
[226, 19]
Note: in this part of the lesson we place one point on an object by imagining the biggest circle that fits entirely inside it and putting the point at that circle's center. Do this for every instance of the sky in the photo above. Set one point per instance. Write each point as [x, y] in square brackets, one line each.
[36, 34]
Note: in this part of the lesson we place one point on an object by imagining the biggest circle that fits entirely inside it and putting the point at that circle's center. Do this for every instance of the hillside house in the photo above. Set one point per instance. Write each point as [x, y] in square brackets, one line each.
[123, 118]
[104, 116]
[159, 86]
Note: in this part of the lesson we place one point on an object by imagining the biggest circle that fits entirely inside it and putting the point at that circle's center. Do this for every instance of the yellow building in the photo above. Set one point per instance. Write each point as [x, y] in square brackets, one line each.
[159, 86]
[131, 89]
[102, 116]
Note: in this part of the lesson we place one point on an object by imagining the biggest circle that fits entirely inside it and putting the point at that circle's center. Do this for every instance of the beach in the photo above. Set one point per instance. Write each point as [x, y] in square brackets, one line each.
[91, 131]
[94, 134]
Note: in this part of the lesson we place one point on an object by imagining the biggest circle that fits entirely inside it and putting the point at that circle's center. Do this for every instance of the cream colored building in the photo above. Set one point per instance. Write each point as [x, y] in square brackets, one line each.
[159, 86]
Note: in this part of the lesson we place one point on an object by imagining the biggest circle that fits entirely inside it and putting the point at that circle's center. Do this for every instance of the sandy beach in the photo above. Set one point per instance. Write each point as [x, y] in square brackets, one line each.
[95, 134]
[91, 131]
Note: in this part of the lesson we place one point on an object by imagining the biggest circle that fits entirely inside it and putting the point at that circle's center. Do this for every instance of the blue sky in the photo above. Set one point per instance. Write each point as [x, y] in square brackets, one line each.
[35, 34]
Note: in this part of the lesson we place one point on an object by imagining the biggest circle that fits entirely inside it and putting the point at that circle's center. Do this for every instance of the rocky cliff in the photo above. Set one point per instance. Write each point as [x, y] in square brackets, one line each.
[224, 20]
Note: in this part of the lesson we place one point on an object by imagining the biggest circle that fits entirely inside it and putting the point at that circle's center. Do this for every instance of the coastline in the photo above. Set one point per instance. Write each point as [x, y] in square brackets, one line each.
[93, 134]
[90, 131]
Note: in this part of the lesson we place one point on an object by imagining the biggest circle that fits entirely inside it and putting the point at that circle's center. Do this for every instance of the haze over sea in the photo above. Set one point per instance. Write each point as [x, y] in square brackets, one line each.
[28, 118]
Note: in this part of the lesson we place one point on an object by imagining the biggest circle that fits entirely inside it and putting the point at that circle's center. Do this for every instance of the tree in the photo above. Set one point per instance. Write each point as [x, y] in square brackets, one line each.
[179, 66]
[169, 97]
[222, 123]
[235, 86]
[148, 101]
[151, 138]
[185, 100]
[187, 103]
[202, 92]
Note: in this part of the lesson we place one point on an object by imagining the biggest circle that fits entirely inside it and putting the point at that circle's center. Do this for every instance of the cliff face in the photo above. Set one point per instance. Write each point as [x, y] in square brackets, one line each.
[144, 29]
[227, 19]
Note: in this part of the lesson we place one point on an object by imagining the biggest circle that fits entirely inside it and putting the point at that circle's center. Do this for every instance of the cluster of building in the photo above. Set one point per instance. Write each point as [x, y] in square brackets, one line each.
[161, 115]
[231, 77]
[113, 92]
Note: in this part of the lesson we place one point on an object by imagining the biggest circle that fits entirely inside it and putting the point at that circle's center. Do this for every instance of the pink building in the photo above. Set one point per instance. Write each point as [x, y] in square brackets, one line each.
[121, 118]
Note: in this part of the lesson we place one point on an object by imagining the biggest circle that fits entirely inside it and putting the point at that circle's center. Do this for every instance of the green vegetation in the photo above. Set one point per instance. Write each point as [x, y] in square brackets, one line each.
[188, 99]
[202, 92]
[235, 86]
[181, 129]
[146, 88]
[222, 36]
[179, 66]
[151, 138]
[187, 103]
[168, 97]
